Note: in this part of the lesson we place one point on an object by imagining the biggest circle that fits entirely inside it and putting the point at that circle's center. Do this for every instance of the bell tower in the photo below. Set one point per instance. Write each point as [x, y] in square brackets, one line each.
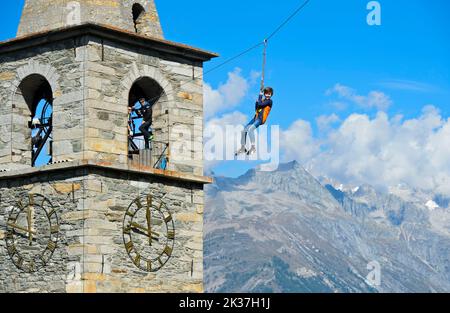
[88, 202]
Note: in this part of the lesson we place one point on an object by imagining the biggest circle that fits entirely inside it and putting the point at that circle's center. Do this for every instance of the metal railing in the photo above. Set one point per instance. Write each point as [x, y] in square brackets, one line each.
[156, 157]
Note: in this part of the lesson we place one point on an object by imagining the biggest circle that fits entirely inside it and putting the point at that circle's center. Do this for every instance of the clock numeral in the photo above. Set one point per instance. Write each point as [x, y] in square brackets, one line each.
[43, 259]
[51, 246]
[171, 235]
[137, 260]
[130, 214]
[9, 236]
[31, 199]
[127, 230]
[20, 262]
[52, 211]
[160, 261]
[160, 206]
[168, 219]
[138, 203]
[12, 250]
[32, 266]
[149, 266]
[149, 201]
[168, 251]
[129, 246]
[54, 229]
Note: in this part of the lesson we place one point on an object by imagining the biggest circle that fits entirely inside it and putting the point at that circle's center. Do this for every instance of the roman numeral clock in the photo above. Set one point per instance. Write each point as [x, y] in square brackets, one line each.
[86, 205]
[32, 233]
[149, 233]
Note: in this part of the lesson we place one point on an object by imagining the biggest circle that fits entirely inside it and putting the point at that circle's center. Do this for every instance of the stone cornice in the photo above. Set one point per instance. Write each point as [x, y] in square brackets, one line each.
[109, 33]
[74, 165]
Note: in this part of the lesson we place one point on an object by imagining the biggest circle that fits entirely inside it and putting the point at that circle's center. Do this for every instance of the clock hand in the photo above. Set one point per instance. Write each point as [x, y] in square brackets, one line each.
[30, 235]
[136, 225]
[21, 228]
[149, 226]
[144, 233]
[22, 235]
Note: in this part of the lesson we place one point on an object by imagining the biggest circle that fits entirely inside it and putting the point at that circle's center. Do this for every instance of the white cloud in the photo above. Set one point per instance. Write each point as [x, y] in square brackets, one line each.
[408, 85]
[255, 77]
[380, 151]
[324, 122]
[227, 95]
[339, 105]
[375, 99]
[297, 142]
[234, 118]
[216, 129]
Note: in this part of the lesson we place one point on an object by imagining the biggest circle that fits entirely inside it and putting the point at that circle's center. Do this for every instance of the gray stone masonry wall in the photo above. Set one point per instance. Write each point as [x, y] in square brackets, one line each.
[44, 15]
[61, 267]
[108, 84]
[90, 255]
[91, 83]
[60, 65]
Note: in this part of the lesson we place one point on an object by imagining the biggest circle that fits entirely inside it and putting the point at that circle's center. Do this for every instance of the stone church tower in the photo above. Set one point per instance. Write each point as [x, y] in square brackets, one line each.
[83, 207]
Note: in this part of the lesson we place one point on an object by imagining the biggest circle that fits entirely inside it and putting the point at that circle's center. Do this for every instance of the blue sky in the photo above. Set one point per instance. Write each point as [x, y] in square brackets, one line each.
[328, 43]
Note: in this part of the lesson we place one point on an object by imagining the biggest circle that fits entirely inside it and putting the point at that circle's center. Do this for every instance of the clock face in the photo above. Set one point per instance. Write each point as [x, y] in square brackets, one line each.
[32, 233]
[148, 233]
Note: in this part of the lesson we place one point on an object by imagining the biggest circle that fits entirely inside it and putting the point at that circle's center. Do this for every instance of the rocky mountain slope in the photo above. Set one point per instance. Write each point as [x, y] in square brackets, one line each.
[284, 231]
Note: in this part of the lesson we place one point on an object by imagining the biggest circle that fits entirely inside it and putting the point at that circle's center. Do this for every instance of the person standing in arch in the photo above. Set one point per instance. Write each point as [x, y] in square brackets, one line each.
[146, 112]
[263, 107]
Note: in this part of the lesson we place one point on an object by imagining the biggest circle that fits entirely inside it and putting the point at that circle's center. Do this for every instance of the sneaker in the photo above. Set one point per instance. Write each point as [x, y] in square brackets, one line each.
[241, 151]
[251, 151]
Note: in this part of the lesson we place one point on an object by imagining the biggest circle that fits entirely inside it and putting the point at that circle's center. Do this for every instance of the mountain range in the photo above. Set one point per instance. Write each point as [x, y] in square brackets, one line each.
[286, 231]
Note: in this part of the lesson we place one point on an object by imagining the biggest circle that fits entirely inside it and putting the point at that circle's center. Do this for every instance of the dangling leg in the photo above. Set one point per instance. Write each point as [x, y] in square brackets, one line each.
[251, 132]
[244, 133]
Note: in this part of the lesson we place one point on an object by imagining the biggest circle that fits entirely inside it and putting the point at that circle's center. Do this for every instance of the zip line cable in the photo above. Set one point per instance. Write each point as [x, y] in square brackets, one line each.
[232, 59]
[263, 75]
[244, 52]
[209, 71]
[288, 19]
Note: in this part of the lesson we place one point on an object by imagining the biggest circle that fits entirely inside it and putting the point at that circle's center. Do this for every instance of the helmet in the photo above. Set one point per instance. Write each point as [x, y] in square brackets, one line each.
[268, 90]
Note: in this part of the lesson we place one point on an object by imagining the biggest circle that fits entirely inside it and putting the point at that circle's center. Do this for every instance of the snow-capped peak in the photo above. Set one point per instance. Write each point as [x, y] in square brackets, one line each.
[431, 205]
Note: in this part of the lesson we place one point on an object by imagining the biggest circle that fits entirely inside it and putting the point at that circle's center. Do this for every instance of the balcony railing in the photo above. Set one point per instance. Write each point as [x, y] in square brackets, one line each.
[156, 157]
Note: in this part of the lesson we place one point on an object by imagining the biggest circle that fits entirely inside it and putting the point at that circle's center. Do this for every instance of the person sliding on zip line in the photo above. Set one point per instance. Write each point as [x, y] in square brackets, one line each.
[262, 108]
[146, 112]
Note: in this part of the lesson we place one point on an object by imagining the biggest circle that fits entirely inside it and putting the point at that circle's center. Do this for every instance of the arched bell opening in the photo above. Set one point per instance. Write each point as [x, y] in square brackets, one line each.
[148, 131]
[32, 121]
[138, 14]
